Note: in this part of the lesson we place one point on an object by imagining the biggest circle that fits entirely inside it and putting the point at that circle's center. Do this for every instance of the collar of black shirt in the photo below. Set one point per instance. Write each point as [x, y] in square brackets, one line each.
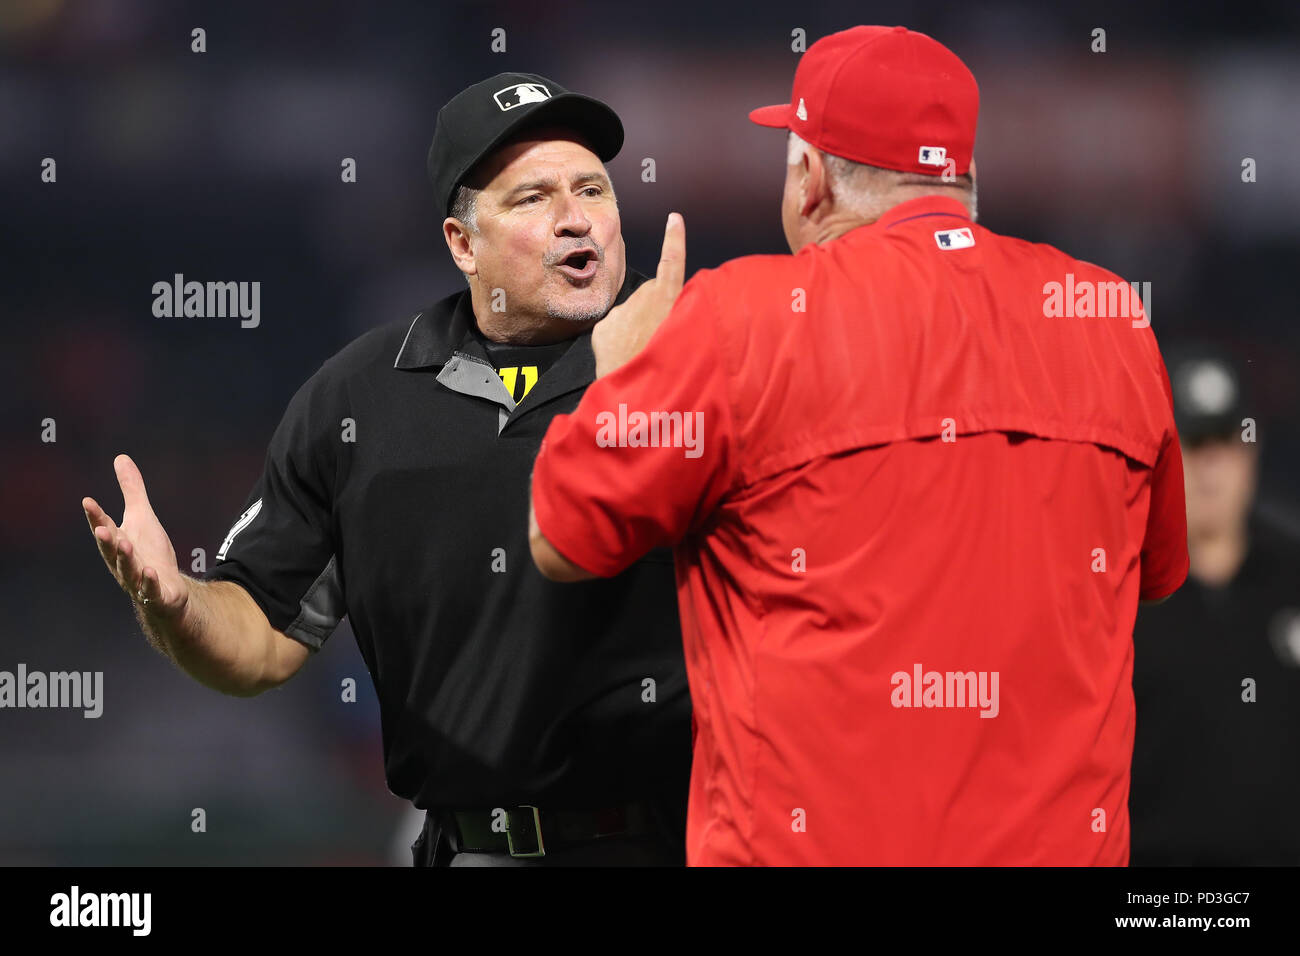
[448, 329]
[448, 326]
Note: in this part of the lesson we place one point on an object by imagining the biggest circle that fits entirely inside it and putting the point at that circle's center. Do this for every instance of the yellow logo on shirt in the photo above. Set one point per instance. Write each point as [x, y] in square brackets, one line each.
[510, 377]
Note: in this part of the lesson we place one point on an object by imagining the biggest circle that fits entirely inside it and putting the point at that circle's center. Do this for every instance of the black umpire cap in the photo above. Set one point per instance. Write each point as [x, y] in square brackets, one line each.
[483, 116]
[1209, 393]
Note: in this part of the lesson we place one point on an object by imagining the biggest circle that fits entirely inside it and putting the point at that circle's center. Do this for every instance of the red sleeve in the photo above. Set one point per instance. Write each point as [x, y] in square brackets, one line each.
[1164, 549]
[648, 452]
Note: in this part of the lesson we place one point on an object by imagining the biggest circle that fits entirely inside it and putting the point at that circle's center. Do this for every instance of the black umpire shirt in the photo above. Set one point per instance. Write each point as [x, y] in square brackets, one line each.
[395, 491]
[1216, 779]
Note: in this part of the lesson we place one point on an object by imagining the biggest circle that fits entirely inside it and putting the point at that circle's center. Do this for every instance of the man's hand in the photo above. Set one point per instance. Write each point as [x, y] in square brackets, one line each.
[624, 332]
[212, 630]
[138, 552]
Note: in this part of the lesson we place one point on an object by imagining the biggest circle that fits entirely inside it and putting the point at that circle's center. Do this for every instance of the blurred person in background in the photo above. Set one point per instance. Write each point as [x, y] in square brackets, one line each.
[1216, 677]
[534, 723]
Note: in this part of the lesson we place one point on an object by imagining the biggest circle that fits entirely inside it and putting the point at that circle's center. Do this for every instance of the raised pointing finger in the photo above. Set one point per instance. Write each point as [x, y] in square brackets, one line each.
[671, 273]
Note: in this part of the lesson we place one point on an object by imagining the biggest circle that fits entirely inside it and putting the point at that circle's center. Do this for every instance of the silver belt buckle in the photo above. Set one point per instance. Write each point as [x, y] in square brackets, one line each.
[537, 834]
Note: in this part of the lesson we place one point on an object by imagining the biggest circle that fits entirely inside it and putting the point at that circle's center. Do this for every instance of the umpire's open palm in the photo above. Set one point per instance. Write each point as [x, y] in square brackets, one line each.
[138, 552]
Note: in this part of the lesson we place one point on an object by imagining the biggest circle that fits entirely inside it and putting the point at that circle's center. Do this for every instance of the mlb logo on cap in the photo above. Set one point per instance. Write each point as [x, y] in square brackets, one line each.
[932, 155]
[519, 94]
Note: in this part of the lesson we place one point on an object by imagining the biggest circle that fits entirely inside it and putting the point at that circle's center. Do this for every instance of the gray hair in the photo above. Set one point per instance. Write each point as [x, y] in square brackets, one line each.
[866, 190]
[464, 206]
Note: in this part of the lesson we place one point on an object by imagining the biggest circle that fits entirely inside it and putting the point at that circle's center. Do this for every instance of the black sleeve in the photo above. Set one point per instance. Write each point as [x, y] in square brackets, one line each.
[281, 549]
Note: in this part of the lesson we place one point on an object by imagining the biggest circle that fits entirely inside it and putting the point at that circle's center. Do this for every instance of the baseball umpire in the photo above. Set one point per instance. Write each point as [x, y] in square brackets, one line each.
[918, 509]
[1216, 670]
[536, 724]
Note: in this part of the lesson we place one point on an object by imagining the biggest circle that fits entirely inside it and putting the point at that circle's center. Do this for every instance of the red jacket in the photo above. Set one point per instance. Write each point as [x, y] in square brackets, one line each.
[914, 507]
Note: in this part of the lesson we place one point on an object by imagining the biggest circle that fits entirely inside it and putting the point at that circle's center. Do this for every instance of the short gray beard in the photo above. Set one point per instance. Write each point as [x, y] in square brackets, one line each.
[573, 314]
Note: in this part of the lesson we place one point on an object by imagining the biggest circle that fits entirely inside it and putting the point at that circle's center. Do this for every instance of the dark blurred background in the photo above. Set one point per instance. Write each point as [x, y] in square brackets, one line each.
[225, 165]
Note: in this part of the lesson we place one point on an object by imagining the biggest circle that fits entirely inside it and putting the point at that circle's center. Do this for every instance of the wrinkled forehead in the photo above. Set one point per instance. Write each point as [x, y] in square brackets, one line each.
[543, 151]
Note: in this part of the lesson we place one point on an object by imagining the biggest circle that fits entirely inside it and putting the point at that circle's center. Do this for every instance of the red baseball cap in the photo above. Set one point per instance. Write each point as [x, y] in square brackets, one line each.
[885, 96]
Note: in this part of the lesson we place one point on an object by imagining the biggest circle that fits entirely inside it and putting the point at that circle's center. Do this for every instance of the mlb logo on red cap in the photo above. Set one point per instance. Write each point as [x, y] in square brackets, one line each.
[933, 155]
[884, 96]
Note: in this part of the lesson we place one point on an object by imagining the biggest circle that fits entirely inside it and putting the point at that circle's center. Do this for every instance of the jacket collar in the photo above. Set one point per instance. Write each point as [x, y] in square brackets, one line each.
[922, 206]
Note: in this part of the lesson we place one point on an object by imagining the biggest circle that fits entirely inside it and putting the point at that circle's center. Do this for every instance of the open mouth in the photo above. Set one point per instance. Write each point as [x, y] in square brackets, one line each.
[580, 265]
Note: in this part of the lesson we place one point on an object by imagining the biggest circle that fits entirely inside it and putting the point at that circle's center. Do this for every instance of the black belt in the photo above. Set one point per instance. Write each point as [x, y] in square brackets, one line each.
[527, 831]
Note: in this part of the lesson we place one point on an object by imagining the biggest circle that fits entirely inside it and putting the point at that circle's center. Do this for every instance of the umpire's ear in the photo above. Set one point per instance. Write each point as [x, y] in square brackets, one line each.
[460, 246]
